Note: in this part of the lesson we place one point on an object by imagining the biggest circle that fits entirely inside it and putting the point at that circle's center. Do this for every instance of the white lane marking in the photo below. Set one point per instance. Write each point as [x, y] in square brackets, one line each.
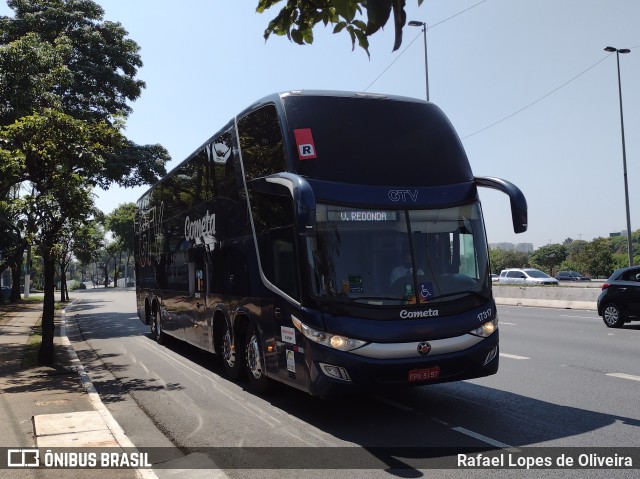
[624, 376]
[504, 322]
[485, 439]
[462, 430]
[513, 356]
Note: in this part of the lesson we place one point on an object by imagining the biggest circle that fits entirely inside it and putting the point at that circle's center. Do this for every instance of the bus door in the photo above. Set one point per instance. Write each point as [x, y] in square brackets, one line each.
[197, 298]
[287, 361]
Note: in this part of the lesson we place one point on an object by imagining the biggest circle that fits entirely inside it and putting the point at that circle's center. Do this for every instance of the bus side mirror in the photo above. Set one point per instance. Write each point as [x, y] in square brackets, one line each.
[300, 191]
[518, 201]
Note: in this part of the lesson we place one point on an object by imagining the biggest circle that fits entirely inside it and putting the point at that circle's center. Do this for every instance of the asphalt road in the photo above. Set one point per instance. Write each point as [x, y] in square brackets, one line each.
[565, 381]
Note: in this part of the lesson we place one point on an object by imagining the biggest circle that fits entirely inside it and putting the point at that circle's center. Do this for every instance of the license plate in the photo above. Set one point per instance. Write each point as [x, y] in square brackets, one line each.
[426, 374]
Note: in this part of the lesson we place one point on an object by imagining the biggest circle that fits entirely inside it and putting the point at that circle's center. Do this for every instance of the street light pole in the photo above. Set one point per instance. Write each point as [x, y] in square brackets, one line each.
[624, 151]
[415, 23]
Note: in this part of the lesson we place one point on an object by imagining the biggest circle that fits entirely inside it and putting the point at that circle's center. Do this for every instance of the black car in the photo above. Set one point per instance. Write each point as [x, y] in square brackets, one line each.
[571, 276]
[619, 301]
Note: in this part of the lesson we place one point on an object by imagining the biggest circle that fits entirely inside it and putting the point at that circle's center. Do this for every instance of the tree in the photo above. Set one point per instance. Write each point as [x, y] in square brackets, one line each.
[298, 18]
[88, 242]
[31, 69]
[12, 240]
[120, 223]
[596, 258]
[62, 157]
[549, 256]
[574, 247]
[69, 131]
[74, 237]
[502, 259]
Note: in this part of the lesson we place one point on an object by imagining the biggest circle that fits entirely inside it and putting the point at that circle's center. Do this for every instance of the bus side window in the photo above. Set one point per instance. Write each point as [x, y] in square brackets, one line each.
[221, 151]
[261, 143]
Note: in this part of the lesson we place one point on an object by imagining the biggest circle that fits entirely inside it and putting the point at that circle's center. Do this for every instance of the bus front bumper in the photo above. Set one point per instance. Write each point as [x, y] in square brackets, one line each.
[333, 372]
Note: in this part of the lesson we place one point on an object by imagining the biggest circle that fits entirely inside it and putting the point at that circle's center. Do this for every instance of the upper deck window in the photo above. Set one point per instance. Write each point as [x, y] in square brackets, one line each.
[261, 143]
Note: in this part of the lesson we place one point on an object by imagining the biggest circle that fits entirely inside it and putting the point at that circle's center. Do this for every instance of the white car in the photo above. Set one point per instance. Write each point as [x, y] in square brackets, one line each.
[526, 276]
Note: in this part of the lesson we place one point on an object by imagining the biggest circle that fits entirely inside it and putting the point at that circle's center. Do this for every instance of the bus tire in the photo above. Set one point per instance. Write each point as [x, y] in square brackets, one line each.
[232, 354]
[156, 328]
[612, 316]
[258, 381]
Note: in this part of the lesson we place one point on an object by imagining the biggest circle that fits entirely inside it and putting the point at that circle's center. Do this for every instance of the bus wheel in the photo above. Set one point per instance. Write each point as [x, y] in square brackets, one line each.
[232, 353]
[258, 381]
[612, 316]
[156, 328]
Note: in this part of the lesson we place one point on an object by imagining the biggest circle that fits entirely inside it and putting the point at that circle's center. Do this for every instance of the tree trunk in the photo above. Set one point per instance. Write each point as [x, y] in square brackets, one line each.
[15, 277]
[106, 274]
[46, 353]
[63, 282]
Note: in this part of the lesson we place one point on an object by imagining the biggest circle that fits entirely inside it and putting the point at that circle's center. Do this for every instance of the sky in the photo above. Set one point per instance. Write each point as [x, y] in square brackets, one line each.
[527, 85]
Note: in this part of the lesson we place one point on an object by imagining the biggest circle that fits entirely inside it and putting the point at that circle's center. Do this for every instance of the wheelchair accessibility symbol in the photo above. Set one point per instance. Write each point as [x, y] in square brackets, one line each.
[426, 290]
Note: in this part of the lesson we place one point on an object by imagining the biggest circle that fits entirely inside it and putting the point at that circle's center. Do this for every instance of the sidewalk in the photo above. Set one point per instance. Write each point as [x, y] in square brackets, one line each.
[47, 406]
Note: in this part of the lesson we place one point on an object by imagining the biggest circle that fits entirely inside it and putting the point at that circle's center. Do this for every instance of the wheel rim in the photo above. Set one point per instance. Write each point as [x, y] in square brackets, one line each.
[227, 350]
[253, 358]
[154, 326]
[611, 315]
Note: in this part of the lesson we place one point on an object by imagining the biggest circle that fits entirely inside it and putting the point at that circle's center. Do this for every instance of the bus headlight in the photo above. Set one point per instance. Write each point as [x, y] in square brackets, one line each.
[334, 341]
[486, 329]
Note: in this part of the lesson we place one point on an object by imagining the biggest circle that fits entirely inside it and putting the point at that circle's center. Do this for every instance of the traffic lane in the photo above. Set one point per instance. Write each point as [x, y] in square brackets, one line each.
[574, 340]
[453, 414]
[570, 359]
[521, 407]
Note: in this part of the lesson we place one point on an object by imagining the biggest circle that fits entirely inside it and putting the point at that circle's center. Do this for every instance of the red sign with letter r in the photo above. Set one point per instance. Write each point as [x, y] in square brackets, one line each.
[304, 141]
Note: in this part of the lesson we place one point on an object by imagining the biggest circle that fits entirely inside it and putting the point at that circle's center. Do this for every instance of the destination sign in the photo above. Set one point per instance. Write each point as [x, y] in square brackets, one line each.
[361, 215]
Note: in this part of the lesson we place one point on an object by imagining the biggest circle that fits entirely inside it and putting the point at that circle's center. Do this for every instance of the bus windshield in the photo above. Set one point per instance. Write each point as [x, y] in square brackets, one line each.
[391, 257]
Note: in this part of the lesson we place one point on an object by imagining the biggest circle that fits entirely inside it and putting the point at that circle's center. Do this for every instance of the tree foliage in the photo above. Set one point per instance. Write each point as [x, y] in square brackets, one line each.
[298, 18]
[120, 223]
[101, 61]
[548, 257]
[88, 240]
[66, 82]
[596, 258]
[502, 259]
[32, 70]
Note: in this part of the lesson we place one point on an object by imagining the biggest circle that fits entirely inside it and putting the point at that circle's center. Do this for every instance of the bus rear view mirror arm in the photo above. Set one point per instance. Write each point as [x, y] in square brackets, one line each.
[518, 201]
[303, 198]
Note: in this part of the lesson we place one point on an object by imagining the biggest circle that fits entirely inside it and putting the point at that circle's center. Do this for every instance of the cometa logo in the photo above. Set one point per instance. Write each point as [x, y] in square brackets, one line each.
[425, 313]
[205, 226]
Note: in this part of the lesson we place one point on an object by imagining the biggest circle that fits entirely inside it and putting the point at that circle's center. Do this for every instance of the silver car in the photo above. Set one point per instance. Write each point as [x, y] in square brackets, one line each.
[526, 276]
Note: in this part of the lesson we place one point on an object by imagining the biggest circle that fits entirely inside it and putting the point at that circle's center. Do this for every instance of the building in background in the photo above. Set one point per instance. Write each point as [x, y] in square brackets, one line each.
[521, 247]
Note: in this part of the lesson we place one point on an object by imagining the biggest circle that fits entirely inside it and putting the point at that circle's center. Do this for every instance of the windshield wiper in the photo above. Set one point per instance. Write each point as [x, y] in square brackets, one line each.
[347, 300]
[458, 293]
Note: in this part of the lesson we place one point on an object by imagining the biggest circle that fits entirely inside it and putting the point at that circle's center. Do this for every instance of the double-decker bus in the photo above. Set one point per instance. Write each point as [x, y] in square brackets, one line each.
[332, 241]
